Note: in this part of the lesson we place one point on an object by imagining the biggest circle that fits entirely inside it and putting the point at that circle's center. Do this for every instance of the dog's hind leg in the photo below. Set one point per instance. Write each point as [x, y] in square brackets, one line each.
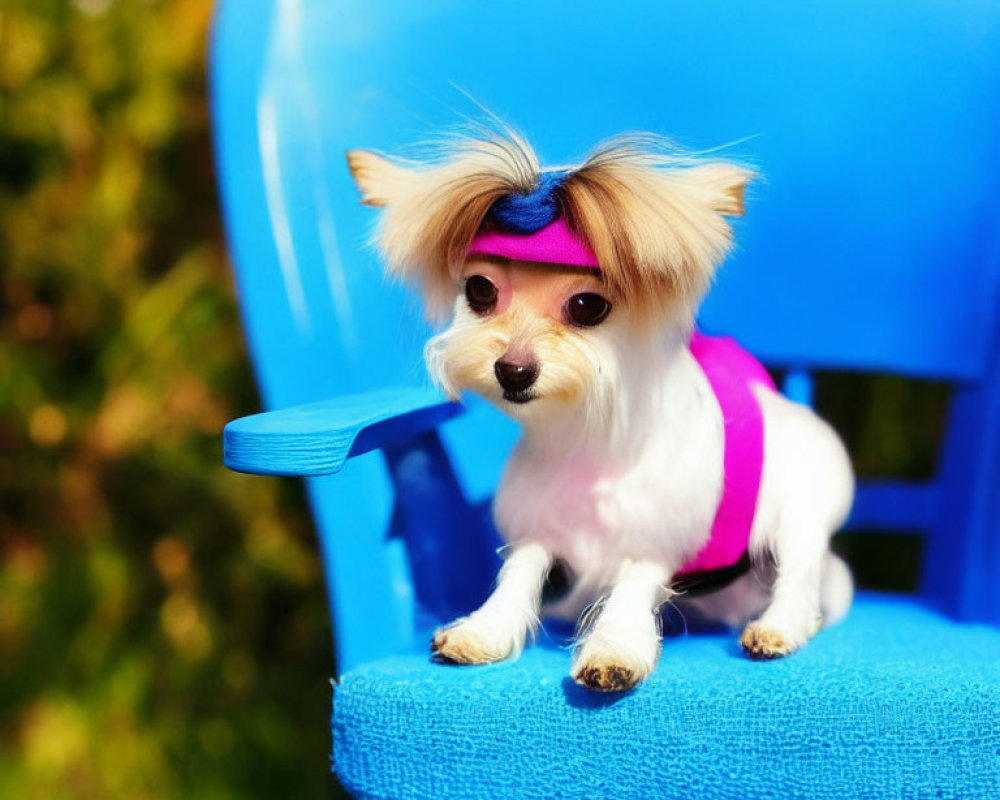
[805, 494]
[809, 584]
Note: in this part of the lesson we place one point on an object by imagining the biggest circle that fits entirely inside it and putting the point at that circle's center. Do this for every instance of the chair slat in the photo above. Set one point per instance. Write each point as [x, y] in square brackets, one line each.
[895, 506]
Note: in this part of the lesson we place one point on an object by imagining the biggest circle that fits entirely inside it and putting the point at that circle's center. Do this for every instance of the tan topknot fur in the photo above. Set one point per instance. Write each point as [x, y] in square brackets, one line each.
[653, 218]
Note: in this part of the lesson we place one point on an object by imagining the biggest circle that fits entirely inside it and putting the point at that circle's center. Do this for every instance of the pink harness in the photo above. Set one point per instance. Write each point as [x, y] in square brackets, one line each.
[731, 372]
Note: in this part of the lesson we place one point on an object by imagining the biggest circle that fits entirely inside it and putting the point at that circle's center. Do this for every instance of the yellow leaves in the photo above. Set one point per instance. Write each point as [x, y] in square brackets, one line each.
[188, 22]
[137, 414]
[123, 421]
[153, 392]
[47, 425]
[94, 8]
[273, 548]
[152, 320]
[90, 745]
[182, 617]
[132, 655]
[54, 108]
[111, 585]
[172, 560]
[117, 185]
[54, 733]
[24, 565]
[153, 115]
[96, 60]
[25, 46]
[182, 620]
[189, 404]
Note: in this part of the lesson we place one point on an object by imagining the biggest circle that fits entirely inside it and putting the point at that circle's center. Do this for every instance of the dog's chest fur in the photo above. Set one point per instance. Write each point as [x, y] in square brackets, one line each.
[652, 495]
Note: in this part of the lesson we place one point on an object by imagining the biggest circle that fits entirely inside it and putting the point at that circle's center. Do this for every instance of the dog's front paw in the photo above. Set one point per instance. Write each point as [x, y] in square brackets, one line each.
[469, 642]
[615, 665]
[762, 642]
[606, 677]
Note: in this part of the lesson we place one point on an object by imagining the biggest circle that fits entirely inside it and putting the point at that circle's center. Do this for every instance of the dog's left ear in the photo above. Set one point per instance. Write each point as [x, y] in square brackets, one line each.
[378, 179]
[722, 184]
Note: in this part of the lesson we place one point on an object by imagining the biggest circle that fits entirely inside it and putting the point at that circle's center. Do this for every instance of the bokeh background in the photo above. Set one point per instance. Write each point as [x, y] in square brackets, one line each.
[163, 628]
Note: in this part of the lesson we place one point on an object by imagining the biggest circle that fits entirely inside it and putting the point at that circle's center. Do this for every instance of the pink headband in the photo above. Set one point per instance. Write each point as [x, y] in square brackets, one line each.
[553, 244]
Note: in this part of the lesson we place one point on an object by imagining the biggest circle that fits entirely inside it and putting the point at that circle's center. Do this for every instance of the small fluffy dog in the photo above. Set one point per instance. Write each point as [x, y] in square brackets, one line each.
[655, 463]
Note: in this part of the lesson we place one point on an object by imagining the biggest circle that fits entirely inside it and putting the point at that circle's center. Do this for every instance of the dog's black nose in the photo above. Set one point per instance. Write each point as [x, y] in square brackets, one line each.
[515, 378]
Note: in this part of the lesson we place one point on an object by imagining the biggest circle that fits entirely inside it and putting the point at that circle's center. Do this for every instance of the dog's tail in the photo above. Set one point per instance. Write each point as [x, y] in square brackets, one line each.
[837, 589]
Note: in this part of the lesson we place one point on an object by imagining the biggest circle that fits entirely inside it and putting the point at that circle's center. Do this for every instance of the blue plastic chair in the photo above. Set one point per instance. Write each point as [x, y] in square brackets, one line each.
[873, 244]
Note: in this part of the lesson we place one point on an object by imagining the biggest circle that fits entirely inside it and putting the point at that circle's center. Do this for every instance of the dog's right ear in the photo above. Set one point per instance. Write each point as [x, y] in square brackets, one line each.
[378, 179]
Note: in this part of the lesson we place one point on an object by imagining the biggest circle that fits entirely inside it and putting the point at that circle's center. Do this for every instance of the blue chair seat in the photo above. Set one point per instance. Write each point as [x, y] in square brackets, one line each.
[896, 701]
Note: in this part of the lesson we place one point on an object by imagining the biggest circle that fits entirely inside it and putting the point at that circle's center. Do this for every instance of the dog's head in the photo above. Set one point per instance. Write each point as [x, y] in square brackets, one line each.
[642, 230]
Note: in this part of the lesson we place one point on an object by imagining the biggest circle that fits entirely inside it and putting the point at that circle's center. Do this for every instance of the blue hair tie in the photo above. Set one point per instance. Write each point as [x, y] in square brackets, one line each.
[527, 213]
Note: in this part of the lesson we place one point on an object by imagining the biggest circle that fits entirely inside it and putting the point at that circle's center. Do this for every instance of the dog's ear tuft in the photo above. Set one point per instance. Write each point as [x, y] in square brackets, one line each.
[378, 179]
[656, 220]
[432, 209]
[724, 185]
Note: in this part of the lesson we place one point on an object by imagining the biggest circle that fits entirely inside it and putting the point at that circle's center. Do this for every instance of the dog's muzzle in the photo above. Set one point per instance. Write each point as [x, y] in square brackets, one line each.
[516, 379]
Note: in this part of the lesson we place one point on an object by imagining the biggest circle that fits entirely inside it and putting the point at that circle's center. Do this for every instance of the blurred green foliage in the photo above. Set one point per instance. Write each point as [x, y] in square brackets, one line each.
[163, 630]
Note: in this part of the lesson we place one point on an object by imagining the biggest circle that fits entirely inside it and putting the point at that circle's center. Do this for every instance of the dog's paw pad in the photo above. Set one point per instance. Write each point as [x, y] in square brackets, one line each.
[762, 643]
[607, 677]
[459, 645]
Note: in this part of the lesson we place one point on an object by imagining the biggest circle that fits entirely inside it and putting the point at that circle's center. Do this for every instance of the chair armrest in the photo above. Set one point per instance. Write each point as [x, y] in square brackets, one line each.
[318, 438]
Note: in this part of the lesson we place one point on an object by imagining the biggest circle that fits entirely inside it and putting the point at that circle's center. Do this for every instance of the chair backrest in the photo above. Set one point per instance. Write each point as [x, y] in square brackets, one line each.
[871, 242]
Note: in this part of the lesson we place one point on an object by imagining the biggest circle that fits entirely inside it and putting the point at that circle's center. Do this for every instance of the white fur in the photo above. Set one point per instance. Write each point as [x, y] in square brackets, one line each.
[621, 646]
[498, 629]
[619, 471]
[641, 483]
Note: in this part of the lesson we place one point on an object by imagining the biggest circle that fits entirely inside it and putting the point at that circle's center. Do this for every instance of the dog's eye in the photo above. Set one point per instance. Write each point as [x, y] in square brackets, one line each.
[481, 294]
[586, 310]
